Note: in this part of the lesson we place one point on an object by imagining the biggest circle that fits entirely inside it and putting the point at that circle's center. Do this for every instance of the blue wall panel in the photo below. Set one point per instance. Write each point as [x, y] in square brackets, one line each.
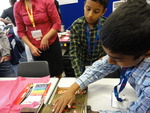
[71, 12]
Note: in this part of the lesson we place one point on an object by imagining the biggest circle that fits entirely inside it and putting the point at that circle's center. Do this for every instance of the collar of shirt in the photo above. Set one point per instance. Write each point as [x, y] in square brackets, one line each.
[83, 22]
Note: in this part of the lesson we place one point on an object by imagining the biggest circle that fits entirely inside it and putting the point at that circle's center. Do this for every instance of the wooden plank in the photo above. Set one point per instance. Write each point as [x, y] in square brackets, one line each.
[80, 103]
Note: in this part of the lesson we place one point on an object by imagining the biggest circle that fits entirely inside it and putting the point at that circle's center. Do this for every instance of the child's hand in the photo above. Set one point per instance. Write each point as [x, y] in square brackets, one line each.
[66, 99]
[80, 92]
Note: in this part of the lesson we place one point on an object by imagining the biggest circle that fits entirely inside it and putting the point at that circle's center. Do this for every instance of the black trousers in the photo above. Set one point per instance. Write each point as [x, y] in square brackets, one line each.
[54, 58]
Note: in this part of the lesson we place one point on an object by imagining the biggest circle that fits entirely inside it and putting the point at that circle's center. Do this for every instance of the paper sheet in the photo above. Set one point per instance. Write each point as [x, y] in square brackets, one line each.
[63, 2]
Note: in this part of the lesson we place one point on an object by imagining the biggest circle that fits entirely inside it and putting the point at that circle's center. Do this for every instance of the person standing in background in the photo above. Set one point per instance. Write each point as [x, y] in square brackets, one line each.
[17, 47]
[85, 47]
[6, 69]
[9, 13]
[38, 22]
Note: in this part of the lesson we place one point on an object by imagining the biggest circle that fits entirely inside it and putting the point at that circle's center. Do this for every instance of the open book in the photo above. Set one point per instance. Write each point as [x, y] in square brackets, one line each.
[33, 92]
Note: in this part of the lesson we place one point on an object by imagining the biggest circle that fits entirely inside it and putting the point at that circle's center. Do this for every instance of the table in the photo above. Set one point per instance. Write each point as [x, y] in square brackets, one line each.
[99, 92]
[53, 81]
[63, 82]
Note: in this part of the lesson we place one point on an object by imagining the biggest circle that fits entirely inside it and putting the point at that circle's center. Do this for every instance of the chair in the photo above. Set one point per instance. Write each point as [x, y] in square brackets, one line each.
[33, 69]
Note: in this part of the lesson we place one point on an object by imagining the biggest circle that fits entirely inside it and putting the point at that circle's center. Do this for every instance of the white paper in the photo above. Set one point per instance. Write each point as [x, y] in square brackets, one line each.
[116, 4]
[63, 2]
[120, 105]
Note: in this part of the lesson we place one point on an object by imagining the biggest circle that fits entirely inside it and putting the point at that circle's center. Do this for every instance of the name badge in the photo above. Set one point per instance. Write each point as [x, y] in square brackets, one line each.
[37, 34]
[119, 105]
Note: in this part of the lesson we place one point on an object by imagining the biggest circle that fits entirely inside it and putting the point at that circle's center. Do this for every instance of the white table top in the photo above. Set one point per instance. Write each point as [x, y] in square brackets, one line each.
[66, 81]
[99, 94]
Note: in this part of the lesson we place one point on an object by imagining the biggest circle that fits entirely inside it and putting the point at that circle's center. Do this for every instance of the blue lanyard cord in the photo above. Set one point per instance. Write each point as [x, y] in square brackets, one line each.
[123, 82]
[95, 41]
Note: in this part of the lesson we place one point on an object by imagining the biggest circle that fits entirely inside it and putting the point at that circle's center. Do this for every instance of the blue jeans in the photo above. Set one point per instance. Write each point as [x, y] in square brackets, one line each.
[6, 69]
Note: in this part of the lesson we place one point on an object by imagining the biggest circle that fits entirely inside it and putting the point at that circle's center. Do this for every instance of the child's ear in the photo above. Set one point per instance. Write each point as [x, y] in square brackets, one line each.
[147, 54]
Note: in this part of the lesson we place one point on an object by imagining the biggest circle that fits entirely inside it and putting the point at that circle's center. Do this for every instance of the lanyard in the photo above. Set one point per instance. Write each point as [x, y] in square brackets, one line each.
[30, 14]
[95, 40]
[123, 82]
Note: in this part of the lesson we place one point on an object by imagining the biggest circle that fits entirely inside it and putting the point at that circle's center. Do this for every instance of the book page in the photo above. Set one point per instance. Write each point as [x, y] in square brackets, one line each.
[36, 93]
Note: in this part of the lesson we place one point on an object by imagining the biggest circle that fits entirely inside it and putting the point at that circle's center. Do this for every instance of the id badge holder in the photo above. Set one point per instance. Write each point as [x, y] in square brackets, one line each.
[37, 34]
[119, 105]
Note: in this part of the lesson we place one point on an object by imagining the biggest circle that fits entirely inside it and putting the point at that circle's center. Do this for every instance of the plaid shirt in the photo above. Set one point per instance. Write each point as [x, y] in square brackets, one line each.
[139, 79]
[79, 54]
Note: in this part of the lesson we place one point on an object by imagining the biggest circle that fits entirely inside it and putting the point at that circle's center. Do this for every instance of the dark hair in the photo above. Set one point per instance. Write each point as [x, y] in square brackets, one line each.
[104, 3]
[126, 30]
[12, 2]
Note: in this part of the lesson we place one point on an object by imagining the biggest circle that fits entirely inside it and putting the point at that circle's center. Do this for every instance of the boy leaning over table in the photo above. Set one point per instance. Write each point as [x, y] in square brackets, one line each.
[125, 37]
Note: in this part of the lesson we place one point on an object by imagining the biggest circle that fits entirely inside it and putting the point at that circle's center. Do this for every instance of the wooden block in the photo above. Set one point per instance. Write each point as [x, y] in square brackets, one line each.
[28, 110]
[80, 103]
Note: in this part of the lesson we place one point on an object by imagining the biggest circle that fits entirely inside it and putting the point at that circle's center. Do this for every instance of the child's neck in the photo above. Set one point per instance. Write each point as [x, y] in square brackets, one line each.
[91, 25]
